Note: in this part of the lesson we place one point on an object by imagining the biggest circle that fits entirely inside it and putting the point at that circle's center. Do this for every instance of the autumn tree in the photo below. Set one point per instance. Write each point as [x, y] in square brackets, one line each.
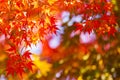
[24, 23]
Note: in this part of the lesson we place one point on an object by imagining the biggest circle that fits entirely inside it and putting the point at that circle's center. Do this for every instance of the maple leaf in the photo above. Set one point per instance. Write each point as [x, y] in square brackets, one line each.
[112, 31]
[42, 22]
[88, 28]
[27, 42]
[96, 24]
[108, 6]
[10, 70]
[97, 8]
[33, 12]
[17, 64]
[52, 20]
[19, 3]
[35, 4]
[42, 32]
[19, 70]
[53, 29]
[3, 6]
[12, 49]
[52, 1]
[44, 66]
[13, 64]
[111, 19]
[29, 65]
[78, 26]
[26, 55]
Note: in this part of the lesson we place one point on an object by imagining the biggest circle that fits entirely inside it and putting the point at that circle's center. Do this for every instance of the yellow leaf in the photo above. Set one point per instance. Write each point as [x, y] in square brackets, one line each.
[51, 1]
[118, 49]
[115, 3]
[2, 57]
[80, 78]
[43, 66]
[1, 20]
[85, 57]
[35, 4]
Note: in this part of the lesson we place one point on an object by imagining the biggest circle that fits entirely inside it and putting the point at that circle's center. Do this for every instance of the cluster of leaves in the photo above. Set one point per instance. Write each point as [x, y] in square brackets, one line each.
[97, 16]
[24, 23]
[18, 64]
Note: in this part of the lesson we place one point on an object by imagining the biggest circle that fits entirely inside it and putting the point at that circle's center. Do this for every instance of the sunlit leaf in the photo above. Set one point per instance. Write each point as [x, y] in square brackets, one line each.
[51, 1]
[43, 66]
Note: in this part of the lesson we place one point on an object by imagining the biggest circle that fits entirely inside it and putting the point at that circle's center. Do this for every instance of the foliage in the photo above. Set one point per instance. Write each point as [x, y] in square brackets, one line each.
[27, 22]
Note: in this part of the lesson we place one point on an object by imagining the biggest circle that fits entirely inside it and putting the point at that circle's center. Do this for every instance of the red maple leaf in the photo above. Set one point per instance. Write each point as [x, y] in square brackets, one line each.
[112, 31]
[78, 26]
[96, 24]
[29, 65]
[17, 63]
[52, 20]
[19, 70]
[10, 70]
[53, 28]
[26, 55]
